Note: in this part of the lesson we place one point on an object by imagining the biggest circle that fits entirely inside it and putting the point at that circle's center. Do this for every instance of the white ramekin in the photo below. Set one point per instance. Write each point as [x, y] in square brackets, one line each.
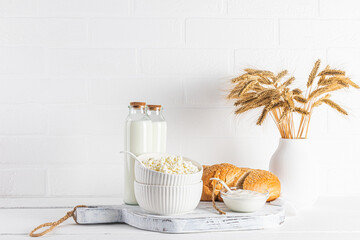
[148, 176]
[168, 200]
[244, 203]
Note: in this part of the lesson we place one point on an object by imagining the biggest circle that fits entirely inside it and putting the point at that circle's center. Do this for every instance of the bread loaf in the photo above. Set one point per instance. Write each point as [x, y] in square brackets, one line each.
[246, 178]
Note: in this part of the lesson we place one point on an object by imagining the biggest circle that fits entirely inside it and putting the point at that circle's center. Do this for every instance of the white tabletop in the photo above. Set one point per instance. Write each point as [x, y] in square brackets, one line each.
[330, 218]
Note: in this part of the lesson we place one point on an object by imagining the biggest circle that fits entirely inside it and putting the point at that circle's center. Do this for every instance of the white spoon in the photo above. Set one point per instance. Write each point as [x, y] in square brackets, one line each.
[222, 183]
[134, 156]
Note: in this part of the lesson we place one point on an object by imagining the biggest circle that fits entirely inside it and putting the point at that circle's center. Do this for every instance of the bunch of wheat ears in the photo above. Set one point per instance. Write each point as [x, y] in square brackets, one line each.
[266, 90]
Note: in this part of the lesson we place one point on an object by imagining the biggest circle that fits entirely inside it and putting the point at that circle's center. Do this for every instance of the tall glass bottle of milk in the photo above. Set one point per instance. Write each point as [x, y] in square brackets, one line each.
[155, 113]
[138, 140]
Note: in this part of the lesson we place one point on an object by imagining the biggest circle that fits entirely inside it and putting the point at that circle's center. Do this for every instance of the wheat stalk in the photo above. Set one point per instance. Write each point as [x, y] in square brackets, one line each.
[261, 88]
[320, 101]
[280, 75]
[313, 73]
[296, 91]
[300, 99]
[262, 116]
[301, 111]
[326, 89]
[331, 72]
[335, 106]
[287, 82]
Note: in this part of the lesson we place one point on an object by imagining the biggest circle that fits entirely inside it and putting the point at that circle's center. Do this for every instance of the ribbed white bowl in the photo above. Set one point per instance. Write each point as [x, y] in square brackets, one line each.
[148, 176]
[168, 200]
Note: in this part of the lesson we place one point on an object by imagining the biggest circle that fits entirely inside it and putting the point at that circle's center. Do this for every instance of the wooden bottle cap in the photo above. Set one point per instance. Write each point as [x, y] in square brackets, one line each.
[137, 104]
[154, 107]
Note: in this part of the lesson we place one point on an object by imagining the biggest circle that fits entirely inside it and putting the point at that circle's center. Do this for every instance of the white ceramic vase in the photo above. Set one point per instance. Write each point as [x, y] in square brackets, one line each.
[297, 168]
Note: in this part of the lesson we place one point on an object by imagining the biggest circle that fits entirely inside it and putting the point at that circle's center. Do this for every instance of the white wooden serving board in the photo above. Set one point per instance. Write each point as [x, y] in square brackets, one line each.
[203, 219]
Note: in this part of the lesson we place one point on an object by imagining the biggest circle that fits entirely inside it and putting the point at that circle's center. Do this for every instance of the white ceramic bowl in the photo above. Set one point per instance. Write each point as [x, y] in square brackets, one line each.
[148, 176]
[244, 203]
[168, 200]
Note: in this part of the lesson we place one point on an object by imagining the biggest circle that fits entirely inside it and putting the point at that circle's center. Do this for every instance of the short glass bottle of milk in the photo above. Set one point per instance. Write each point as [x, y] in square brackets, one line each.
[138, 140]
[159, 128]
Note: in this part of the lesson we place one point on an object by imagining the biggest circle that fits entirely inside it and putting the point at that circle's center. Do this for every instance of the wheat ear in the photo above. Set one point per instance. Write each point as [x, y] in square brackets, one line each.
[301, 111]
[262, 116]
[257, 71]
[296, 91]
[313, 73]
[264, 80]
[319, 102]
[351, 83]
[283, 114]
[335, 106]
[280, 75]
[326, 89]
[287, 82]
[331, 72]
[300, 99]
[246, 87]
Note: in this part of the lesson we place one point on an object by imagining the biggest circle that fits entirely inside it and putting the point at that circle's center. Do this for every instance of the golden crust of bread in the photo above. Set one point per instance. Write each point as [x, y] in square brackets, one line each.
[261, 180]
[246, 178]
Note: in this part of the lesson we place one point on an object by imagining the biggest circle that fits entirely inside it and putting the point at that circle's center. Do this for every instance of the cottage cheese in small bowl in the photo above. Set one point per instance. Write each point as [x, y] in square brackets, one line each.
[172, 164]
[167, 169]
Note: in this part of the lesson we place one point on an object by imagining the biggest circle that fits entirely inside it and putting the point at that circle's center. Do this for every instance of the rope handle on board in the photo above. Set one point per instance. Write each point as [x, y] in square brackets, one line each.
[213, 200]
[53, 225]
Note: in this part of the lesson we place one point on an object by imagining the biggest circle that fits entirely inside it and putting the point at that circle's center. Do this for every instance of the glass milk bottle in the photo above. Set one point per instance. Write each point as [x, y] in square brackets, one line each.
[155, 113]
[138, 140]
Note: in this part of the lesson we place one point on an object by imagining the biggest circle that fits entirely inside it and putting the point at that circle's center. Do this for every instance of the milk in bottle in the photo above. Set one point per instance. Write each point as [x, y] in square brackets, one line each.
[138, 140]
[159, 128]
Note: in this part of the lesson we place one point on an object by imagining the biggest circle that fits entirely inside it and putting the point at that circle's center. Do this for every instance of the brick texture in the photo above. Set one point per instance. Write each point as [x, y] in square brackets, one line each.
[69, 68]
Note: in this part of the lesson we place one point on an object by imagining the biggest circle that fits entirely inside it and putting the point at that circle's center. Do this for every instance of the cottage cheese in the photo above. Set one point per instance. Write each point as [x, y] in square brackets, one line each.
[171, 164]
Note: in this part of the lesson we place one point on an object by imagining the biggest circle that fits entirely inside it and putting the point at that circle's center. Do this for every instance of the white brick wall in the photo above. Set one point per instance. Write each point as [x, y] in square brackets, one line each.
[24, 61]
[43, 150]
[26, 119]
[106, 91]
[180, 62]
[178, 8]
[274, 8]
[77, 181]
[91, 62]
[143, 32]
[43, 90]
[328, 32]
[216, 33]
[43, 31]
[18, 8]
[81, 8]
[18, 182]
[332, 9]
[68, 69]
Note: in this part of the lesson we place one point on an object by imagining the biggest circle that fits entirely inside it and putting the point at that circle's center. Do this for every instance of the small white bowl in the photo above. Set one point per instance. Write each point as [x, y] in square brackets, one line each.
[147, 176]
[168, 200]
[244, 203]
